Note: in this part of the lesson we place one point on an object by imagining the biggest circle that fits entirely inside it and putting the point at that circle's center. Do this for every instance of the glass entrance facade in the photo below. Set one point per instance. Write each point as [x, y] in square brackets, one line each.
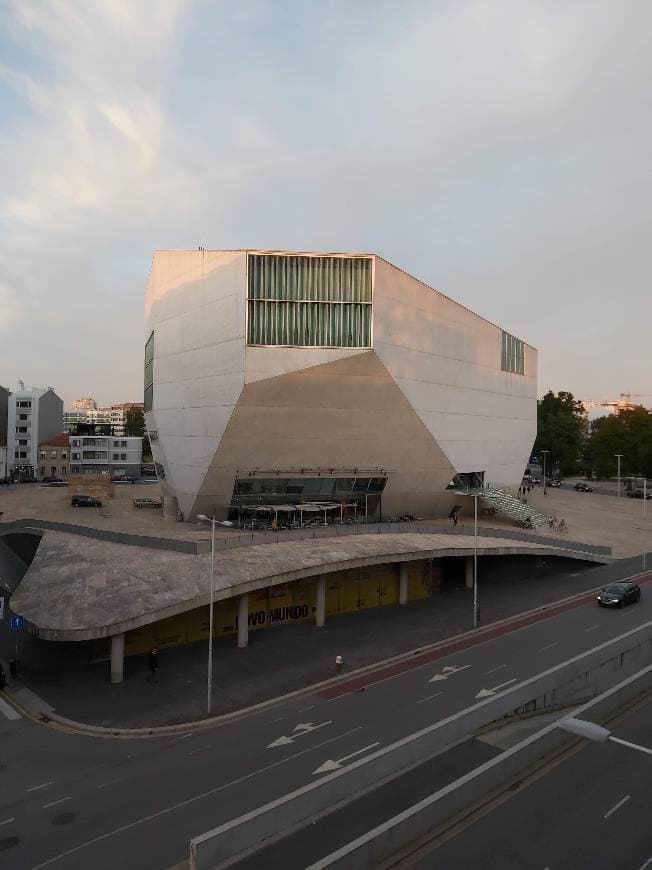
[341, 498]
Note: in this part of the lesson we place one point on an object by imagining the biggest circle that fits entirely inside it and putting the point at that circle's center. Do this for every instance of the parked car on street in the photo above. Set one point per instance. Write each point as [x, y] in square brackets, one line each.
[554, 482]
[638, 493]
[85, 501]
[148, 503]
[5, 481]
[619, 594]
[583, 487]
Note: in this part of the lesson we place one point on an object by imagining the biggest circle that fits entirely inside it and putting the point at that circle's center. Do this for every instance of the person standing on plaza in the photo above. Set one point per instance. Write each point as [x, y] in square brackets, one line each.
[153, 665]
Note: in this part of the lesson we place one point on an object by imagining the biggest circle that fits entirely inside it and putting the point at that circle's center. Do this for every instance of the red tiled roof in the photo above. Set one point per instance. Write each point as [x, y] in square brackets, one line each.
[58, 440]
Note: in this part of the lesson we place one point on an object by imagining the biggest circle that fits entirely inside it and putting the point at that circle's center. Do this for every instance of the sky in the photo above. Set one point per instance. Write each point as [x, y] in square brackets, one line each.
[497, 150]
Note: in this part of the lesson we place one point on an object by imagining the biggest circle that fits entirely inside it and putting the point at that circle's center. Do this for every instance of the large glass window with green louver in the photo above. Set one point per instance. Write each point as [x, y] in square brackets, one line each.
[300, 301]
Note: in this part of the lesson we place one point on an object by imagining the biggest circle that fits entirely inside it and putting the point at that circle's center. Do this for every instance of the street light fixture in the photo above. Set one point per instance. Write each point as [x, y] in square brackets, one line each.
[476, 608]
[596, 732]
[619, 457]
[544, 452]
[209, 688]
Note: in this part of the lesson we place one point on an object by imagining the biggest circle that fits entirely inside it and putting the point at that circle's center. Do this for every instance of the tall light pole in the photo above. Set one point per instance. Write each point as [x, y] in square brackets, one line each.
[619, 457]
[591, 731]
[544, 452]
[476, 609]
[209, 687]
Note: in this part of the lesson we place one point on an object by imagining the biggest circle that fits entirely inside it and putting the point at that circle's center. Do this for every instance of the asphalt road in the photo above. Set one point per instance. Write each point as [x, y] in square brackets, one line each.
[592, 812]
[72, 801]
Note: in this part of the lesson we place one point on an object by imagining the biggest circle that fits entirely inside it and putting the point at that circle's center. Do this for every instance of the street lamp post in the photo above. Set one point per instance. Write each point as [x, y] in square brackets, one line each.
[476, 609]
[619, 457]
[544, 452]
[596, 732]
[209, 687]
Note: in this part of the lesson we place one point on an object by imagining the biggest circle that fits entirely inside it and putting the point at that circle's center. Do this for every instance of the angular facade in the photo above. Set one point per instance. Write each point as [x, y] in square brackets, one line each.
[331, 382]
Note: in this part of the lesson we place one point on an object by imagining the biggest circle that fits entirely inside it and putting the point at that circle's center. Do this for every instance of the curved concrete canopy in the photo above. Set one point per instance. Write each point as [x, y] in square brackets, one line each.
[79, 588]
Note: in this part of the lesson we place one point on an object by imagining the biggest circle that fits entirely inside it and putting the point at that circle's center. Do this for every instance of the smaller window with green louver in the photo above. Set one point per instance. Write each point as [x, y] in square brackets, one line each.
[512, 354]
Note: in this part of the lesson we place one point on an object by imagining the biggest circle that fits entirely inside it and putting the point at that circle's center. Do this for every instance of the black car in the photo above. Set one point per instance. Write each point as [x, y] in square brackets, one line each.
[5, 481]
[554, 482]
[638, 493]
[583, 487]
[619, 594]
[85, 501]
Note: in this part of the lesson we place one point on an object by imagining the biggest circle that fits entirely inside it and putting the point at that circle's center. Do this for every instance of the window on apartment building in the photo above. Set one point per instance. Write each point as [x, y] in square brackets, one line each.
[64, 471]
[123, 457]
[149, 374]
[116, 456]
[22, 416]
[25, 404]
[123, 444]
[43, 471]
[75, 456]
[512, 355]
[23, 454]
[53, 454]
[53, 470]
[309, 301]
[42, 454]
[75, 442]
[22, 442]
[74, 469]
[21, 428]
[116, 443]
[64, 454]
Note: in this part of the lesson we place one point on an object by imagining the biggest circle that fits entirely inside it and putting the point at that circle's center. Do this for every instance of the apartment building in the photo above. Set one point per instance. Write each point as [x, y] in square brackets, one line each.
[34, 416]
[97, 449]
[54, 457]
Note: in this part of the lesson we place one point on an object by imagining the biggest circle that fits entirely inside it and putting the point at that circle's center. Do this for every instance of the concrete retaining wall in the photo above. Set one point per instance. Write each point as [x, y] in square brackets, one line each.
[587, 674]
[405, 829]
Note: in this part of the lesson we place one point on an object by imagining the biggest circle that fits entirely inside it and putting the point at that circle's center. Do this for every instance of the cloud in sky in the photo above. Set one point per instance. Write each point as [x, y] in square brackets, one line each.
[497, 150]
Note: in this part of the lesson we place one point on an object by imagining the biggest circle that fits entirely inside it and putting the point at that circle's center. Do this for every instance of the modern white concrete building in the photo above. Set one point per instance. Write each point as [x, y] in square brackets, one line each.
[332, 382]
[34, 415]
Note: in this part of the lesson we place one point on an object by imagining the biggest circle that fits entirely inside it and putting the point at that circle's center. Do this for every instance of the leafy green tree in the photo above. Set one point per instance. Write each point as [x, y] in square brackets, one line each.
[561, 430]
[135, 426]
[629, 433]
[135, 422]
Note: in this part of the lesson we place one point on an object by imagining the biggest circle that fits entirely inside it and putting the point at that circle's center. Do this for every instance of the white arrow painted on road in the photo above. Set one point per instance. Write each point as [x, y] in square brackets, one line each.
[485, 693]
[447, 672]
[300, 730]
[330, 765]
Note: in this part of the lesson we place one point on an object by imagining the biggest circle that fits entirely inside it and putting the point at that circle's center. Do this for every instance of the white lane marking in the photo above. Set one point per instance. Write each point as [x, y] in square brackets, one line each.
[591, 627]
[447, 671]
[617, 806]
[183, 737]
[133, 754]
[647, 864]
[9, 711]
[111, 782]
[60, 801]
[280, 719]
[429, 697]
[298, 731]
[42, 785]
[199, 749]
[550, 646]
[329, 765]
[6, 821]
[303, 709]
[485, 693]
[493, 670]
[191, 800]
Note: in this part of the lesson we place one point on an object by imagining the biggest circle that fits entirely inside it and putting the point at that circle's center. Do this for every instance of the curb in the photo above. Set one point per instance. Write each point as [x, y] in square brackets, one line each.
[478, 635]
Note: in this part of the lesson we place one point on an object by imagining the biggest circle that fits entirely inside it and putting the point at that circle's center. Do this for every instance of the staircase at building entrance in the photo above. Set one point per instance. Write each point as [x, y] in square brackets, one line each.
[506, 503]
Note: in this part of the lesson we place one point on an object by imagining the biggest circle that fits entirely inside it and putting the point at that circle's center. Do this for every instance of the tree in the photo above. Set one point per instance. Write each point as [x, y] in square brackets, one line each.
[629, 433]
[561, 430]
[135, 426]
[134, 422]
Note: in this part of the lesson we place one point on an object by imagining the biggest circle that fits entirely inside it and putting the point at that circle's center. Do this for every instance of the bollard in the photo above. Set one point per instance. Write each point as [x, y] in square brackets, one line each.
[338, 664]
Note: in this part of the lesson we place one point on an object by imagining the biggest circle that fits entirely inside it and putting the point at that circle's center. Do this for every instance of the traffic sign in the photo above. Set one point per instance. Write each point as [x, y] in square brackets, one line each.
[17, 622]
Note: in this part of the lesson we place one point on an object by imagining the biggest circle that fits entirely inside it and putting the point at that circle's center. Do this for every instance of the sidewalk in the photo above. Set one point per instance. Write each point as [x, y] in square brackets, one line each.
[278, 660]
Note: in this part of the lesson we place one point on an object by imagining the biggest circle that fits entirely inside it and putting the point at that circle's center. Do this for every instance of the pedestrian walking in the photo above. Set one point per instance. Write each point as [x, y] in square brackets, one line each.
[455, 518]
[153, 665]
